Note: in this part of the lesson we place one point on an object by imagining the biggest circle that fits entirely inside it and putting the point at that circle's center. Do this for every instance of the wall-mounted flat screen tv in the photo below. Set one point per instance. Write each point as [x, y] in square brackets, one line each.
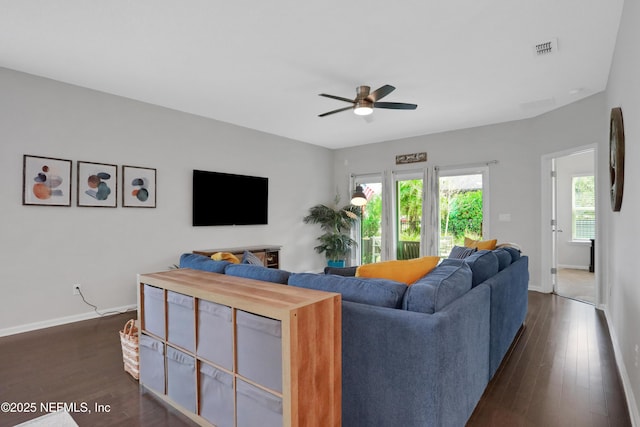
[228, 199]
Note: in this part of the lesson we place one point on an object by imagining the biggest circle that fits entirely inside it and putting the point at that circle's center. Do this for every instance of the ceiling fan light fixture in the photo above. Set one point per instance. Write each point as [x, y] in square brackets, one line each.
[363, 108]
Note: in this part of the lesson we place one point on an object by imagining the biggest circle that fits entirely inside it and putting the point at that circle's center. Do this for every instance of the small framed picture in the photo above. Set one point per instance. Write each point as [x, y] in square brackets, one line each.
[46, 181]
[138, 187]
[97, 185]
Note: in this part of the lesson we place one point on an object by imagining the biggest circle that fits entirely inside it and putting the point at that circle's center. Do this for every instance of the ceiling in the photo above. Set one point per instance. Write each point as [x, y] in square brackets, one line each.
[261, 64]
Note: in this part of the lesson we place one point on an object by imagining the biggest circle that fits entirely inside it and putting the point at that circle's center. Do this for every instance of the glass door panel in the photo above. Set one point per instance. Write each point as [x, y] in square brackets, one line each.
[370, 244]
[409, 201]
[461, 209]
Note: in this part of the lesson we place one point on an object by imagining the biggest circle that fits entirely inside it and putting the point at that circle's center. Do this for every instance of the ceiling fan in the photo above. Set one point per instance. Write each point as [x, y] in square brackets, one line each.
[365, 102]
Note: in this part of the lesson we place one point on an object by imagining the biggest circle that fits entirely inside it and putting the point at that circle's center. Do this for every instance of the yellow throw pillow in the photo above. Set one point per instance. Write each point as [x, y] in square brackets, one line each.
[405, 271]
[480, 244]
[225, 256]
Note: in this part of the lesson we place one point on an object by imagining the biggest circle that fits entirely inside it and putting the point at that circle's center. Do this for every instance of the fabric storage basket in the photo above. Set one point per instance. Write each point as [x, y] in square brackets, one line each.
[257, 407]
[215, 333]
[181, 378]
[154, 310]
[181, 321]
[259, 349]
[216, 396]
[152, 363]
[129, 344]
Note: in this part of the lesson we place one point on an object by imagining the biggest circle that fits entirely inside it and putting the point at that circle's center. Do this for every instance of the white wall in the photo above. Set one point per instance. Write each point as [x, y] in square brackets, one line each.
[571, 254]
[623, 228]
[514, 181]
[44, 250]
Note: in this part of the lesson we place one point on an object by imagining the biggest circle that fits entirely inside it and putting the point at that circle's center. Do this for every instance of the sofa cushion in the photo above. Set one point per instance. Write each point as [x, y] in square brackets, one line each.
[504, 258]
[484, 264]
[201, 262]
[405, 271]
[379, 292]
[258, 272]
[444, 284]
[515, 253]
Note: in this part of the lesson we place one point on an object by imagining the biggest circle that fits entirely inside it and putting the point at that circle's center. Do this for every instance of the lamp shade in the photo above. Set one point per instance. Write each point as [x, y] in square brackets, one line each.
[358, 198]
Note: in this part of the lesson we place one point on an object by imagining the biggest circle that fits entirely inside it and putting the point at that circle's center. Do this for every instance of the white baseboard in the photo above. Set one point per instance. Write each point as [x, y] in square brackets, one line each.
[634, 413]
[574, 267]
[64, 320]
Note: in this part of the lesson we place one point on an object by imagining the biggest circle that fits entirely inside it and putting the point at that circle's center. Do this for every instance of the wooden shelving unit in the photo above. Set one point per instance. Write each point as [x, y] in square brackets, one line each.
[269, 254]
[310, 360]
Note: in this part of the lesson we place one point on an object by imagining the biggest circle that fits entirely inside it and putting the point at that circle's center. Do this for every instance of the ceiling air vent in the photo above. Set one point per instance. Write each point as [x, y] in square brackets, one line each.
[546, 47]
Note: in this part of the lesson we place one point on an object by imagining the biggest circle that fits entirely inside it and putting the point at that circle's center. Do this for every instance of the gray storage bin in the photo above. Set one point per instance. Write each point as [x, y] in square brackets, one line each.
[257, 407]
[154, 310]
[259, 349]
[216, 396]
[151, 363]
[181, 321]
[181, 378]
[215, 333]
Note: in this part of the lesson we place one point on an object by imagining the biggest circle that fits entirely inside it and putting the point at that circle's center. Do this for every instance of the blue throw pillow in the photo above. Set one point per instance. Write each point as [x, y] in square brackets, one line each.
[201, 262]
[251, 258]
[461, 252]
[341, 271]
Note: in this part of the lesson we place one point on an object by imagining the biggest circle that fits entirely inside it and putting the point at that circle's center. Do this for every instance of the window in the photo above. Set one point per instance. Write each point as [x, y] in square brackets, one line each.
[583, 217]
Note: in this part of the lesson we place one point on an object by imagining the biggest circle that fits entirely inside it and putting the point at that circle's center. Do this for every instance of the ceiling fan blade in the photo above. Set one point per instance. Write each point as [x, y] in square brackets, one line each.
[395, 105]
[335, 111]
[380, 93]
[339, 98]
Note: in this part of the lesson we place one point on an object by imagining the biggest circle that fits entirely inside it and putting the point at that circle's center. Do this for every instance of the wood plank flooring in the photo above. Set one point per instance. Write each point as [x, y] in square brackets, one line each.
[560, 373]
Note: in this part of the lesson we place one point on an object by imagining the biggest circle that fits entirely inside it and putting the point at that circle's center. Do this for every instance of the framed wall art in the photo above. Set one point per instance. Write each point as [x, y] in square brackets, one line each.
[97, 185]
[616, 158]
[138, 187]
[46, 181]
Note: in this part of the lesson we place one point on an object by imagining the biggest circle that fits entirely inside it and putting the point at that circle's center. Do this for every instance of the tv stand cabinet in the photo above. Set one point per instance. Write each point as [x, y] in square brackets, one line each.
[304, 373]
[269, 254]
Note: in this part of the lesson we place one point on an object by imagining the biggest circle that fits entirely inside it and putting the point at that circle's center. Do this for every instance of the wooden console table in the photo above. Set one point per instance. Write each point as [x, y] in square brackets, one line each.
[298, 369]
[269, 254]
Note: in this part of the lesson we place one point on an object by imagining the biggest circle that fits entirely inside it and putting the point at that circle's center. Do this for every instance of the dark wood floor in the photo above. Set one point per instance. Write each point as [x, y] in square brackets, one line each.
[560, 373]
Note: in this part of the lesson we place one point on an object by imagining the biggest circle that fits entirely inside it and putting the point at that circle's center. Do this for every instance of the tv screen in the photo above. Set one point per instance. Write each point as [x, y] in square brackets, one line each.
[228, 199]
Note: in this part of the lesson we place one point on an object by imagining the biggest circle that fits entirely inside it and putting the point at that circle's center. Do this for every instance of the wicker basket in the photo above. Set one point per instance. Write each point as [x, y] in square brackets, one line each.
[129, 341]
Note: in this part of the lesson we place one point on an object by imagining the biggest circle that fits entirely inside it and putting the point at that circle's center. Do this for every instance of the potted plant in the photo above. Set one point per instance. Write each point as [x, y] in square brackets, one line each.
[335, 242]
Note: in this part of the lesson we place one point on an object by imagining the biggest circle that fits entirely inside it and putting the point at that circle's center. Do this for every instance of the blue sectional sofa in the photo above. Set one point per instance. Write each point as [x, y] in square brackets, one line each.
[419, 355]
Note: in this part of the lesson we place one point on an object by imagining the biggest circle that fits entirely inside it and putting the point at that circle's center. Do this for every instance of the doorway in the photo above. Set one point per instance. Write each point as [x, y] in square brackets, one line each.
[573, 225]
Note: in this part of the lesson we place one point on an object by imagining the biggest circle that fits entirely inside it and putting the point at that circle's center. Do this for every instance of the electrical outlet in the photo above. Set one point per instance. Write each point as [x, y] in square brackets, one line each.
[76, 289]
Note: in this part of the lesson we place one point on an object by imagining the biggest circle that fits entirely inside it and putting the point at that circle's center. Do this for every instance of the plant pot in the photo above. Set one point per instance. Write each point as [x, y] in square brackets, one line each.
[339, 263]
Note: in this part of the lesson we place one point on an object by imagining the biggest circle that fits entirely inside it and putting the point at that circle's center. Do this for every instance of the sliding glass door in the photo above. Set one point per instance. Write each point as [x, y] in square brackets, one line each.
[421, 212]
